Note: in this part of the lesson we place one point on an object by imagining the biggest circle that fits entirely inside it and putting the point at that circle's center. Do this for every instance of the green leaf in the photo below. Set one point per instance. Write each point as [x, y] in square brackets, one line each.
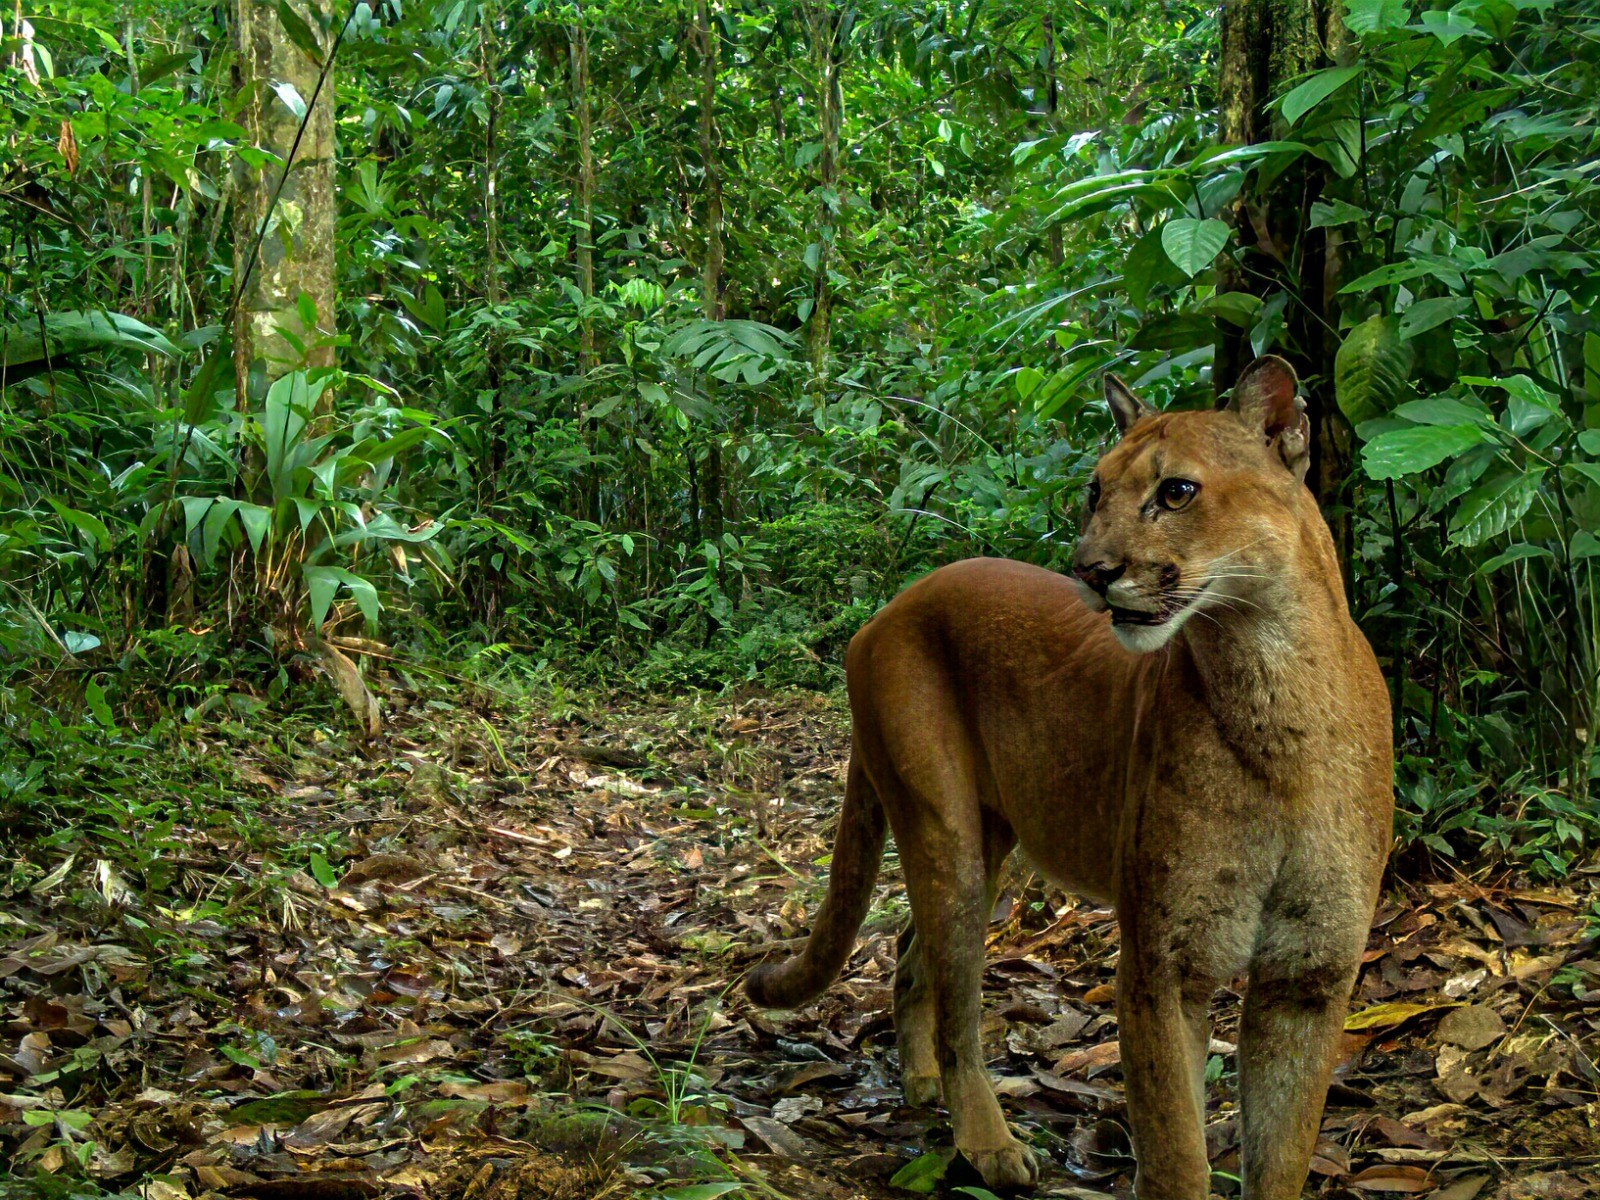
[1314, 91]
[1584, 545]
[1426, 314]
[1444, 410]
[321, 584]
[1494, 507]
[290, 95]
[922, 1174]
[96, 700]
[1371, 16]
[1513, 554]
[1027, 381]
[1400, 272]
[1371, 369]
[1403, 452]
[1193, 245]
[1589, 439]
[256, 519]
[702, 1191]
[322, 870]
[1334, 213]
[299, 33]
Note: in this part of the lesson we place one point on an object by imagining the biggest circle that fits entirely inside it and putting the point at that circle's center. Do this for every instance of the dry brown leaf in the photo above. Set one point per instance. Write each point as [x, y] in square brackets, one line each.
[363, 705]
[1392, 1178]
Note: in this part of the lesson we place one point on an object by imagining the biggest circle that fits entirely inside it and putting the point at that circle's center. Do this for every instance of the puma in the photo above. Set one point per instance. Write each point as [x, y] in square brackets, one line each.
[1194, 730]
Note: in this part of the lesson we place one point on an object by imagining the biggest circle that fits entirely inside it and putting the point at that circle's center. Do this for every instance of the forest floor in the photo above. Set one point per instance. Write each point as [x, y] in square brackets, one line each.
[490, 958]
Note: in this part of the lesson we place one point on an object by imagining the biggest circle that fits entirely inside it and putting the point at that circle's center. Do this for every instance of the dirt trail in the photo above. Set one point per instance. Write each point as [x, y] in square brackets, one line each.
[511, 981]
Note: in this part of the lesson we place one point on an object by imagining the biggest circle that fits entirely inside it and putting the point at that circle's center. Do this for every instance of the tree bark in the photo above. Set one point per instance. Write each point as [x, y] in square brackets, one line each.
[583, 203]
[1266, 46]
[296, 257]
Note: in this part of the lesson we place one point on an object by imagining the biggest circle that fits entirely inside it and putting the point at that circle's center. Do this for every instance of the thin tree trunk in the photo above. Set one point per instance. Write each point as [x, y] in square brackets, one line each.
[711, 278]
[492, 572]
[1266, 45]
[1052, 98]
[583, 202]
[823, 20]
[297, 253]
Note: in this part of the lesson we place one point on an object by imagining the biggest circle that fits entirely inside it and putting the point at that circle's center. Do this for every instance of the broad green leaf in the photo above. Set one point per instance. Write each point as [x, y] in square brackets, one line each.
[1027, 381]
[702, 1191]
[96, 700]
[1371, 16]
[922, 1174]
[321, 584]
[1584, 545]
[257, 520]
[1407, 451]
[291, 98]
[1371, 370]
[298, 32]
[1314, 91]
[1193, 245]
[1334, 213]
[1494, 507]
[1513, 554]
[1444, 410]
[322, 870]
[23, 351]
[1448, 27]
[1589, 439]
[1402, 272]
[85, 523]
[1427, 314]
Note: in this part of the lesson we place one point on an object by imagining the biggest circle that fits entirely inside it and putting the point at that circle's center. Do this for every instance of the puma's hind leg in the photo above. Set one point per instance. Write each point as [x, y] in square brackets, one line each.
[915, 1029]
[951, 886]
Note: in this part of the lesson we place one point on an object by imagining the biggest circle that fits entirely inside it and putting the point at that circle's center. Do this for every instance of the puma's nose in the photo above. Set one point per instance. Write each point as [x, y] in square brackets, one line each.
[1099, 575]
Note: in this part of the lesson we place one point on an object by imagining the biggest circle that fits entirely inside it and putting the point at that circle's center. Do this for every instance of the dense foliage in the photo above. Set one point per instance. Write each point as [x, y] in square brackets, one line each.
[583, 414]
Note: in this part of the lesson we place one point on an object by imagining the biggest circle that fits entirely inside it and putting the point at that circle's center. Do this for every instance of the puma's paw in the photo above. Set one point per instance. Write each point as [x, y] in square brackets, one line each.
[921, 1091]
[1009, 1167]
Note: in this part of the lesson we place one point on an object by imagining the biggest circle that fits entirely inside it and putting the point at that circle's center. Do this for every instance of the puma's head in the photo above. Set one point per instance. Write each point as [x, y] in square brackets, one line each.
[1193, 511]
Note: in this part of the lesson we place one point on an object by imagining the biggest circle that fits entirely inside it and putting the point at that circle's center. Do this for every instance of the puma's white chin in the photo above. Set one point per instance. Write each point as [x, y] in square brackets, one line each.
[1142, 639]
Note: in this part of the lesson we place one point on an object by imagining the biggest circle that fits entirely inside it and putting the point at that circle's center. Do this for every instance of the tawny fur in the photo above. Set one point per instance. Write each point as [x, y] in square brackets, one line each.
[1229, 789]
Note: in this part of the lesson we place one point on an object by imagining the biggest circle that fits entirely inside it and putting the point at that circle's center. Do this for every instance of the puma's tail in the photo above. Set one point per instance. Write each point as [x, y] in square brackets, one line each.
[857, 850]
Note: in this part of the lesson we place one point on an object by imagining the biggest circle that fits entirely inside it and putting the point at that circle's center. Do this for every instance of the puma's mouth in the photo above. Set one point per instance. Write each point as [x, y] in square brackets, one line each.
[1169, 607]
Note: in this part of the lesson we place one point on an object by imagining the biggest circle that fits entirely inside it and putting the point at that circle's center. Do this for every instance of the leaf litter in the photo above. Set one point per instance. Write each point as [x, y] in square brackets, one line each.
[495, 956]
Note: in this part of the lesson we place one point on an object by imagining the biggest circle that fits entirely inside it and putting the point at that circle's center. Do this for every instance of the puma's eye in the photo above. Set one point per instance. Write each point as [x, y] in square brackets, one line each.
[1094, 494]
[1175, 493]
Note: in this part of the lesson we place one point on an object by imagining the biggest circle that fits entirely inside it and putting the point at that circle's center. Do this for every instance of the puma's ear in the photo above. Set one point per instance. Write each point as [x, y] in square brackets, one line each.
[1125, 407]
[1268, 397]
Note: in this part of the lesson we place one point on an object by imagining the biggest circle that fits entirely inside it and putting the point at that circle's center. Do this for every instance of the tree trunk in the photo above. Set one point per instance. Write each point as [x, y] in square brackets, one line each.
[583, 203]
[1266, 46]
[295, 261]
[711, 279]
[823, 20]
[492, 569]
[1052, 98]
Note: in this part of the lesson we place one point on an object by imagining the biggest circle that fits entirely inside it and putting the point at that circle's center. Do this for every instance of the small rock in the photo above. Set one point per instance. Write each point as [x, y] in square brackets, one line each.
[1471, 1027]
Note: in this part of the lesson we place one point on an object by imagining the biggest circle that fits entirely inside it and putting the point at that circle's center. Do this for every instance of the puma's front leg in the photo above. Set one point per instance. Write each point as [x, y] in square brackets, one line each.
[1288, 1042]
[1164, 1028]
